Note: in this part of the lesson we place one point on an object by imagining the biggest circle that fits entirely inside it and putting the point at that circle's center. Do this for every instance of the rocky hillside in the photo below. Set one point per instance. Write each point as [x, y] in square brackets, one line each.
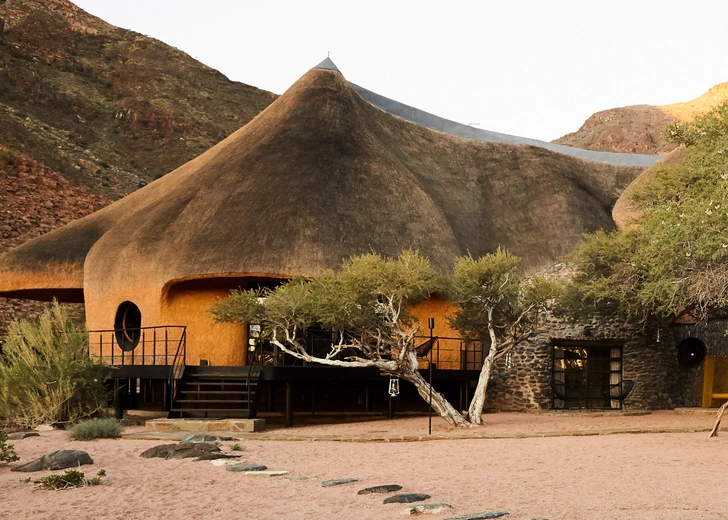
[90, 112]
[639, 128]
[34, 200]
[107, 108]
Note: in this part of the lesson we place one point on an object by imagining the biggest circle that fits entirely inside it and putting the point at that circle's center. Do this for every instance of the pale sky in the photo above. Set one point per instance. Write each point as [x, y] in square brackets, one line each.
[535, 68]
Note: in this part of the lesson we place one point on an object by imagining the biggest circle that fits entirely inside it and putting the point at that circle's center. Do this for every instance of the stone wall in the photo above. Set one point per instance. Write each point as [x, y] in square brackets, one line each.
[652, 364]
[713, 334]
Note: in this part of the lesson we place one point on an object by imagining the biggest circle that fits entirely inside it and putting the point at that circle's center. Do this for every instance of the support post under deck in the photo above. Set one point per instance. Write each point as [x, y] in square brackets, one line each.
[289, 406]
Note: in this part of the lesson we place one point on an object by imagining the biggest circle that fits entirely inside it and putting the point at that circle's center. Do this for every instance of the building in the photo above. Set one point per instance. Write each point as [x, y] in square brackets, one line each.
[329, 170]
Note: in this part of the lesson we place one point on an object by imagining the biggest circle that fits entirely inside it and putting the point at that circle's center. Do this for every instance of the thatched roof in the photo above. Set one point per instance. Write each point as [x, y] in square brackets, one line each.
[321, 175]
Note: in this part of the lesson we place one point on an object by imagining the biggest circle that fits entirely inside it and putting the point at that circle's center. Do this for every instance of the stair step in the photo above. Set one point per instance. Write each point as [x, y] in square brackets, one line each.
[218, 383]
[209, 410]
[224, 401]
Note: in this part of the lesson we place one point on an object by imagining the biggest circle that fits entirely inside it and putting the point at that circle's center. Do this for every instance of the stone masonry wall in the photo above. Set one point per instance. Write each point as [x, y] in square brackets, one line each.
[652, 364]
[713, 334]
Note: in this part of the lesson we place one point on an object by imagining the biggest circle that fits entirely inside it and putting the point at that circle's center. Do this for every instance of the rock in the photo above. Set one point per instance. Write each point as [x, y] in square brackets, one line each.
[246, 466]
[267, 473]
[480, 516]
[223, 462]
[182, 450]
[19, 436]
[193, 437]
[338, 482]
[216, 456]
[59, 459]
[425, 509]
[406, 498]
[293, 479]
[388, 488]
[43, 428]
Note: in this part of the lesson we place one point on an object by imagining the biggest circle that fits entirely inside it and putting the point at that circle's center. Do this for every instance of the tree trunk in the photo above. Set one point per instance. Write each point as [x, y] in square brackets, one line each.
[478, 402]
[439, 403]
[718, 417]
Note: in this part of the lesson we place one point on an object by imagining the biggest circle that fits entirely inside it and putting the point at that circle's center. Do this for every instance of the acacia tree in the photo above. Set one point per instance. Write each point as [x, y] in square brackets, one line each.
[496, 305]
[367, 303]
[674, 260]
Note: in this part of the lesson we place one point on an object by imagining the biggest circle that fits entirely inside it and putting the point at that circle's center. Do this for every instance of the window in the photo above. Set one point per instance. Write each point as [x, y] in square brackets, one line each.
[587, 372]
[127, 326]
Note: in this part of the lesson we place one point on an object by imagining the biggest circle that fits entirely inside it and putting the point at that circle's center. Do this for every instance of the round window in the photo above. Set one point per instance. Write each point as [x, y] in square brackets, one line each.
[691, 352]
[128, 325]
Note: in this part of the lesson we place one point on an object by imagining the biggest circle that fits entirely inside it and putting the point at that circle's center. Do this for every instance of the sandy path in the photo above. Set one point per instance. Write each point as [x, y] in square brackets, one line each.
[626, 476]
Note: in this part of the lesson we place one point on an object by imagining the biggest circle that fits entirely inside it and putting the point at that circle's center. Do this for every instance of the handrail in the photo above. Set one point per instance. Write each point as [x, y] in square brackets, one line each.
[136, 346]
[176, 370]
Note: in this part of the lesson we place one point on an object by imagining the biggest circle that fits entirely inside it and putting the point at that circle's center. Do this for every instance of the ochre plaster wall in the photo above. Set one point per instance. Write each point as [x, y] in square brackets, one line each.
[437, 308]
[219, 344]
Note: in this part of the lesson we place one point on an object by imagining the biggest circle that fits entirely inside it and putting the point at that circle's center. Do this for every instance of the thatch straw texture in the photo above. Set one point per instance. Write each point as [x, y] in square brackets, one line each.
[321, 175]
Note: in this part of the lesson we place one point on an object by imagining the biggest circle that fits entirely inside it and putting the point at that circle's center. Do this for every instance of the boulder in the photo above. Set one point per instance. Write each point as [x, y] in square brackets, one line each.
[59, 459]
[182, 450]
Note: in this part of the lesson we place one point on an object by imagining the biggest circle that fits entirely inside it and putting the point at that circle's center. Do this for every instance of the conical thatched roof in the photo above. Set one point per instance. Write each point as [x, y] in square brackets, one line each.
[321, 175]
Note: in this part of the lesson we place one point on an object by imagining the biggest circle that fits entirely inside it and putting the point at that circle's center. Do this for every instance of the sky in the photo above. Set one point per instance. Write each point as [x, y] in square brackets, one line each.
[534, 68]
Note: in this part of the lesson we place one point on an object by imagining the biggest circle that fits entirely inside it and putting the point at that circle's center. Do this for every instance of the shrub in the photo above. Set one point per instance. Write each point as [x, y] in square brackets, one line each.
[46, 375]
[7, 453]
[236, 447]
[99, 428]
[72, 478]
[7, 156]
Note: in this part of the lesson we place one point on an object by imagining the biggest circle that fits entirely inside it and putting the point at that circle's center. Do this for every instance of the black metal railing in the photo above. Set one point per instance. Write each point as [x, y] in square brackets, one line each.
[447, 353]
[450, 353]
[177, 368]
[147, 346]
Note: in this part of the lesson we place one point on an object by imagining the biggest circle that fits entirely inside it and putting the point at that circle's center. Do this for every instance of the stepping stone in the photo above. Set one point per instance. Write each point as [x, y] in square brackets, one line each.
[480, 516]
[19, 436]
[268, 473]
[425, 509]
[196, 437]
[406, 498]
[246, 466]
[59, 459]
[223, 462]
[217, 456]
[338, 482]
[293, 479]
[388, 488]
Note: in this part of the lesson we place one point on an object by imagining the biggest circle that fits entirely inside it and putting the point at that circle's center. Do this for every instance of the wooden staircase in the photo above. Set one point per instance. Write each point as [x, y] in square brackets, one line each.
[217, 392]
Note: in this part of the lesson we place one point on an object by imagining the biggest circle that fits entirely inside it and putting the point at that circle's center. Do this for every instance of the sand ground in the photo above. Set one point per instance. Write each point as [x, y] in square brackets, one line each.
[650, 476]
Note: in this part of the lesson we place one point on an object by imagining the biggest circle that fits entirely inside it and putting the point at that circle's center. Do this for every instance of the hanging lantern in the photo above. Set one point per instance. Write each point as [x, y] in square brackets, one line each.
[509, 360]
[394, 386]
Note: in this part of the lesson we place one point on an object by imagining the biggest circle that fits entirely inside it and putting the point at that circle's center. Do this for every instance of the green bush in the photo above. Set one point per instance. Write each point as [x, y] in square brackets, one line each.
[99, 428]
[72, 478]
[7, 156]
[46, 375]
[7, 453]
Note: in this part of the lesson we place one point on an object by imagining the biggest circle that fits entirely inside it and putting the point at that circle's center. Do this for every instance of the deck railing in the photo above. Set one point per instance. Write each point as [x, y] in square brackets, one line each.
[447, 353]
[147, 346]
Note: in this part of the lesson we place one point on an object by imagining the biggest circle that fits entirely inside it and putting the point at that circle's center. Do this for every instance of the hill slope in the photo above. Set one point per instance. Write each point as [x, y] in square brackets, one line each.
[90, 112]
[318, 176]
[109, 109]
[639, 128]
